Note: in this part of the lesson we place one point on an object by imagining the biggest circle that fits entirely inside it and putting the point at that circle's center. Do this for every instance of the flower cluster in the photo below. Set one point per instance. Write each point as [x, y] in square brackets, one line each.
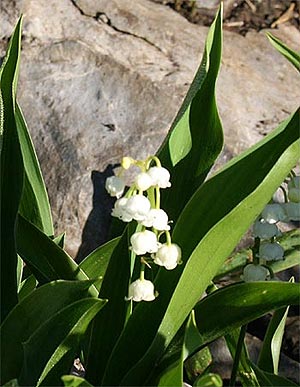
[141, 203]
[265, 230]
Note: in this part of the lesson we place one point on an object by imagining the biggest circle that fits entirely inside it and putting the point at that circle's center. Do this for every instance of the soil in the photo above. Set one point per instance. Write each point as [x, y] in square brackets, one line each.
[241, 15]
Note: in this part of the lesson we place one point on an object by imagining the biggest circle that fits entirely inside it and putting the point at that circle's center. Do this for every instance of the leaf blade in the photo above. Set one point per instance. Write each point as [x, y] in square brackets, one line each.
[11, 171]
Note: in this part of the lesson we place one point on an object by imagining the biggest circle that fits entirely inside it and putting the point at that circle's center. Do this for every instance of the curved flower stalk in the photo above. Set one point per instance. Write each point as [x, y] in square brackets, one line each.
[266, 230]
[141, 203]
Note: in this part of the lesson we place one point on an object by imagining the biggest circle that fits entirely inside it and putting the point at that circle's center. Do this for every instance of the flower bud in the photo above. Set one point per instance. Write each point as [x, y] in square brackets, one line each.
[158, 219]
[168, 256]
[141, 290]
[254, 272]
[127, 162]
[144, 242]
[271, 251]
[115, 186]
[265, 230]
[273, 213]
[138, 207]
[160, 176]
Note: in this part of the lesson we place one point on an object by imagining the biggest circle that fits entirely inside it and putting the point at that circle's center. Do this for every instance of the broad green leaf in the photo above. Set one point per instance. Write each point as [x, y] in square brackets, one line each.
[27, 316]
[290, 241]
[208, 229]
[267, 379]
[208, 380]
[196, 137]
[47, 261]
[75, 381]
[169, 371]
[246, 302]
[291, 55]
[108, 325]
[173, 375]
[95, 264]
[34, 205]
[11, 172]
[47, 356]
[270, 352]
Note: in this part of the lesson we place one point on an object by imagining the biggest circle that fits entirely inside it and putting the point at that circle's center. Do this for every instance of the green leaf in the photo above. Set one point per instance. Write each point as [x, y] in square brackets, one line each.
[268, 379]
[291, 55]
[207, 230]
[270, 352]
[34, 205]
[29, 314]
[95, 264]
[208, 380]
[60, 240]
[75, 381]
[173, 375]
[196, 137]
[246, 302]
[47, 356]
[27, 286]
[11, 171]
[169, 371]
[46, 259]
[108, 325]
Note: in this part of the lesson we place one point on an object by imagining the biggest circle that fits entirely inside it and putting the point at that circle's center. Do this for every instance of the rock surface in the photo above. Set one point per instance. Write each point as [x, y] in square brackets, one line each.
[100, 79]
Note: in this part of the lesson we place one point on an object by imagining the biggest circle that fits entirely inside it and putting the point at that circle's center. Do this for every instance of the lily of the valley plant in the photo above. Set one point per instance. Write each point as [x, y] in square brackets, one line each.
[142, 309]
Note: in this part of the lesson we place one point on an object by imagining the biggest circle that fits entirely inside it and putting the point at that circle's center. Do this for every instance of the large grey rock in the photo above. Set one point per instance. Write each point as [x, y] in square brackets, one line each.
[100, 79]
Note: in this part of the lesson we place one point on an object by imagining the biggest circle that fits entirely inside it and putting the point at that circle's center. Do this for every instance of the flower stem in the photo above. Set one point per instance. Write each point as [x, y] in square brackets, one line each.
[237, 355]
[157, 202]
[168, 236]
[142, 272]
[255, 250]
[153, 158]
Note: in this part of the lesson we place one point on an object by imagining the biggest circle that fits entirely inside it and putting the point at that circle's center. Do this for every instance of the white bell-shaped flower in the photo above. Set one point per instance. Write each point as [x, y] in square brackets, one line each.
[160, 176]
[141, 290]
[271, 251]
[115, 186]
[143, 181]
[119, 210]
[168, 256]
[143, 242]
[254, 272]
[265, 230]
[273, 213]
[138, 207]
[292, 211]
[158, 219]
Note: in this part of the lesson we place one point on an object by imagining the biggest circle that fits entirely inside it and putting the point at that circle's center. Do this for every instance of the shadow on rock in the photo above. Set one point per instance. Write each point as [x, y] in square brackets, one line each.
[96, 228]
